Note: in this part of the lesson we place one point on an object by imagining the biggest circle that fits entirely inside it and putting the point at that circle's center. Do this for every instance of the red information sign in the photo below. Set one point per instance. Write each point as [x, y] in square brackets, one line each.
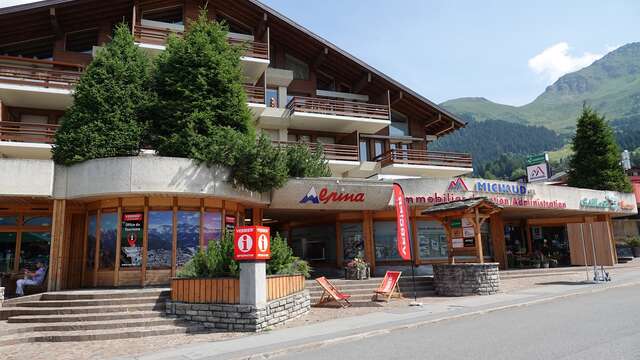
[402, 223]
[252, 243]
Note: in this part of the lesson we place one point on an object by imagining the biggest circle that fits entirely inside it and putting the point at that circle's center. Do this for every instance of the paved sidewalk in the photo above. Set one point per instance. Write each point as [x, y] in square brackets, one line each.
[549, 287]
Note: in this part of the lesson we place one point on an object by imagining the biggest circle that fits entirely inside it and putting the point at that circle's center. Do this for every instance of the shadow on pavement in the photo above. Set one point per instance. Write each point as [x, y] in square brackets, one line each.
[564, 283]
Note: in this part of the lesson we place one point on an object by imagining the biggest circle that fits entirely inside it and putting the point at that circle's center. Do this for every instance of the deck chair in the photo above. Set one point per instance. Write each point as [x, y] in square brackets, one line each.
[331, 293]
[389, 286]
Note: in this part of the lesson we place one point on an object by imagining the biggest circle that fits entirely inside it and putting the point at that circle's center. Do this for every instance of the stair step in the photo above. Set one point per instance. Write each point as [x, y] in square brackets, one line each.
[14, 311]
[94, 302]
[102, 294]
[91, 335]
[84, 317]
[92, 325]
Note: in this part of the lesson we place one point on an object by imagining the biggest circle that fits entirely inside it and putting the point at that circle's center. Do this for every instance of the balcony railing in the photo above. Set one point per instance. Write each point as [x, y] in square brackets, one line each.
[255, 94]
[158, 36]
[35, 72]
[330, 151]
[338, 108]
[27, 132]
[423, 157]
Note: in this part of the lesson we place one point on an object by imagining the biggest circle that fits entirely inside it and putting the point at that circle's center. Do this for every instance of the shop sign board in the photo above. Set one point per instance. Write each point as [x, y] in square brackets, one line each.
[537, 159]
[457, 243]
[466, 222]
[468, 232]
[456, 223]
[131, 239]
[456, 232]
[469, 242]
[252, 243]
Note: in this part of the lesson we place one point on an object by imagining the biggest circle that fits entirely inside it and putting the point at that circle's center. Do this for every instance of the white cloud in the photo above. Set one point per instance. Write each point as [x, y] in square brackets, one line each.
[556, 61]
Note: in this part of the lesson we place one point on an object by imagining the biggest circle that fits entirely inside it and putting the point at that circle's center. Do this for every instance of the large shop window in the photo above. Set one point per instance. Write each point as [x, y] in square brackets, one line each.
[34, 248]
[188, 235]
[352, 241]
[432, 239]
[384, 234]
[160, 239]
[92, 227]
[514, 239]
[212, 227]
[487, 241]
[7, 250]
[108, 235]
[316, 242]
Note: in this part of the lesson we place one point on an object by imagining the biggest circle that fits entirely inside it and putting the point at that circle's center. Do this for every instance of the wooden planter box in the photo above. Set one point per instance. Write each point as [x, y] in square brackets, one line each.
[279, 286]
[227, 290]
[206, 291]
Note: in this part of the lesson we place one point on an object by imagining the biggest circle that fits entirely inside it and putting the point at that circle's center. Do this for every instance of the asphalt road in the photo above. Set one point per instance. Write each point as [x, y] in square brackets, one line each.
[603, 325]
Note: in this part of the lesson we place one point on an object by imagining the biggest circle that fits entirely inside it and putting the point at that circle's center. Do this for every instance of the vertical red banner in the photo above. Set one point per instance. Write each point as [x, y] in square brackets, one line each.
[402, 223]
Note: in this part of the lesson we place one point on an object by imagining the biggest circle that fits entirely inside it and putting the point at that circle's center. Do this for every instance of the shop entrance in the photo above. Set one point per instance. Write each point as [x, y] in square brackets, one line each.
[551, 244]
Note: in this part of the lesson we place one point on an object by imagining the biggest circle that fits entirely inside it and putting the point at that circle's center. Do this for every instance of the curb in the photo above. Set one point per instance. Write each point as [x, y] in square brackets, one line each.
[354, 337]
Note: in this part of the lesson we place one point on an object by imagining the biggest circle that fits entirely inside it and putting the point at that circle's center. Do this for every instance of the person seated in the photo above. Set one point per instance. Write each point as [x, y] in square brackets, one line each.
[31, 278]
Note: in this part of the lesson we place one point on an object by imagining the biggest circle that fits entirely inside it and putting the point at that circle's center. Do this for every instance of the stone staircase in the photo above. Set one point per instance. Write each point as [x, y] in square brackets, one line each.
[88, 315]
[362, 290]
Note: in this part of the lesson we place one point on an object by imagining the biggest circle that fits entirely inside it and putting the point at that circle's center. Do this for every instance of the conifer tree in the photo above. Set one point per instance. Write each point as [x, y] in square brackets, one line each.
[595, 163]
[112, 94]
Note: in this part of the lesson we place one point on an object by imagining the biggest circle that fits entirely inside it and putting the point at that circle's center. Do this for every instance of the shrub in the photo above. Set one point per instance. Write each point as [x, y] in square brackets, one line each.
[282, 260]
[215, 261]
[302, 162]
[633, 241]
[108, 103]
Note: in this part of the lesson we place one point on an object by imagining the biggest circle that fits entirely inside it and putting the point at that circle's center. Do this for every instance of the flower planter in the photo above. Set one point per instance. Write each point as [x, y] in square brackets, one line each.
[356, 274]
[206, 291]
[279, 286]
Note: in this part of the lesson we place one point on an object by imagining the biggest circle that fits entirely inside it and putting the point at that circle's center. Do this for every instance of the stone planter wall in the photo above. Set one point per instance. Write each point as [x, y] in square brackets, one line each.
[247, 318]
[466, 279]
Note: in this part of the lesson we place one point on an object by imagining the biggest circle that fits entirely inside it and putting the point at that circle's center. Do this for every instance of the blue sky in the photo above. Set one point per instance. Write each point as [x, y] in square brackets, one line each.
[506, 51]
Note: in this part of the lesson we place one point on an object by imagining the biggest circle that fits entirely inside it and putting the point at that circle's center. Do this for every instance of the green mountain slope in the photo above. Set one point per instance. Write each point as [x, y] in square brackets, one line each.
[611, 85]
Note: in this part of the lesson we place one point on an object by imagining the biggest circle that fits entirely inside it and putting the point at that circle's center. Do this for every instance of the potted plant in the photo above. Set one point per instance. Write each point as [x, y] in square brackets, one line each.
[357, 269]
[634, 243]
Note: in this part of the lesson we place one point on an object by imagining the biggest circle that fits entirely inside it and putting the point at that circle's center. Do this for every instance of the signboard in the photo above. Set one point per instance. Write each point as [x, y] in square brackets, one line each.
[457, 243]
[539, 172]
[456, 223]
[466, 222]
[402, 223]
[468, 232]
[469, 242]
[252, 243]
[537, 159]
[229, 223]
[131, 239]
[456, 233]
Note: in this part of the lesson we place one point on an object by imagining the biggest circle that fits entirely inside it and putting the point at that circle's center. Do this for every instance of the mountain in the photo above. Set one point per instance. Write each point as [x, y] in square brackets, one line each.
[611, 85]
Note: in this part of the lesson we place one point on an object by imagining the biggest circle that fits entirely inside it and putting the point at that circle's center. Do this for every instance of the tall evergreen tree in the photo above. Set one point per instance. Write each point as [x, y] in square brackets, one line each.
[104, 119]
[198, 82]
[595, 163]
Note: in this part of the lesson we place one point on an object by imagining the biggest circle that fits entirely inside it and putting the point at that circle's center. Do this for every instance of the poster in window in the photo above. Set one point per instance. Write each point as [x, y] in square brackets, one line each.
[230, 223]
[131, 241]
[537, 232]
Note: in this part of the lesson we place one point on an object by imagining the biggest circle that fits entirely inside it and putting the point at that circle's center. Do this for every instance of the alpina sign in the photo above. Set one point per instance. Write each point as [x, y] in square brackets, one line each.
[325, 196]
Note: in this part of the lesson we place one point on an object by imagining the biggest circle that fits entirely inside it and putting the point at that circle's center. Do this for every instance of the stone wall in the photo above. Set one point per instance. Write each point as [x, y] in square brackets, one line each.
[243, 317]
[466, 279]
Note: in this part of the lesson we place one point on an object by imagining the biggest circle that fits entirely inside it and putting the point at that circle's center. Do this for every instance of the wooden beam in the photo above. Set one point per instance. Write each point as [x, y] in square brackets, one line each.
[478, 236]
[321, 57]
[55, 26]
[261, 29]
[362, 83]
[397, 97]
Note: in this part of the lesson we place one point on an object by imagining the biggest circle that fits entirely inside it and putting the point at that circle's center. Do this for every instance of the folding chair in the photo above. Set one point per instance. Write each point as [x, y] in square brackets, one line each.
[332, 293]
[389, 286]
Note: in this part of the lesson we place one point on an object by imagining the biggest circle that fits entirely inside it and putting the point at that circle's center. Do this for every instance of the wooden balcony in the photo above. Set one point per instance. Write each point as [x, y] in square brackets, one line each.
[43, 73]
[338, 152]
[27, 132]
[424, 158]
[255, 94]
[158, 36]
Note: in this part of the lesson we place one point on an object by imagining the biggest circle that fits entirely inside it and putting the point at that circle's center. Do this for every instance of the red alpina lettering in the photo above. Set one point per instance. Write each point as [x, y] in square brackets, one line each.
[326, 196]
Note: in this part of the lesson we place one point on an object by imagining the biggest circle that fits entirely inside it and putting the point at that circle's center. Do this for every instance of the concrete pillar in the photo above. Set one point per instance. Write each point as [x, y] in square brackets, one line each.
[282, 96]
[253, 283]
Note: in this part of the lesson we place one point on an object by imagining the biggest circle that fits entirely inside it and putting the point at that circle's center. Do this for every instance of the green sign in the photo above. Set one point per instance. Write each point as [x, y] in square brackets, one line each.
[456, 223]
[536, 159]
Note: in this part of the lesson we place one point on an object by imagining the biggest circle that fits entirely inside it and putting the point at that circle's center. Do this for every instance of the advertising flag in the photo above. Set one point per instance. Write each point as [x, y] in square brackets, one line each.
[402, 222]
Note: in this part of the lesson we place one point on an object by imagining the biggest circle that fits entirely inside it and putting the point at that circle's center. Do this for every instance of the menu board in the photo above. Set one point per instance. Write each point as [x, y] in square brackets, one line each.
[469, 242]
[131, 239]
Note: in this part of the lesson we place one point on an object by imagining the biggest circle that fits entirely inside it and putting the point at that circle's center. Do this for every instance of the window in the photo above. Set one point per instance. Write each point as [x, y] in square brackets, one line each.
[170, 15]
[432, 240]
[271, 98]
[212, 226]
[514, 241]
[300, 68]
[82, 41]
[91, 241]
[8, 220]
[188, 235]
[317, 242]
[34, 247]
[108, 235]
[352, 241]
[378, 148]
[364, 151]
[160, 239]
[384, 234]
[37, 220]
[399, 125]
[7, 251]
